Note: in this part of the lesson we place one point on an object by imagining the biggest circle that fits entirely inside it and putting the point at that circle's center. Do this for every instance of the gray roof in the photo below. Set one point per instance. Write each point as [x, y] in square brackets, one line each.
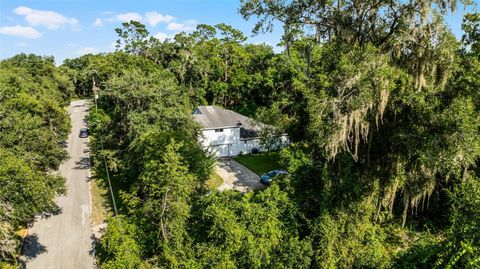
[214, 117]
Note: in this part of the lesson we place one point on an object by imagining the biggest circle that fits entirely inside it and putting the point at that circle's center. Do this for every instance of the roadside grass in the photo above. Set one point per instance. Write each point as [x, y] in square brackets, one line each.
[260, 163]
[214, 181]
[100, 203]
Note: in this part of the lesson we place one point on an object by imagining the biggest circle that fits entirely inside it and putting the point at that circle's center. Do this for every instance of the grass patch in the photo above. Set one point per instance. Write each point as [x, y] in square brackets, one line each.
[103, 193]
[260, 163]
[100, 203]
[214, 181]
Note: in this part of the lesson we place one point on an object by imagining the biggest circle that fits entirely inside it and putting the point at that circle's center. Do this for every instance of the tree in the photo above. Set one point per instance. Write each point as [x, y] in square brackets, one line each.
[118, 245]
[375, 22]
[133, 38]
[471, 27]
[271, 123]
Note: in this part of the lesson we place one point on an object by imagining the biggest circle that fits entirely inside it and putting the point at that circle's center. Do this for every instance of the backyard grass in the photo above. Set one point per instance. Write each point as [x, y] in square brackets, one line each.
[214, 181]
[260, 163]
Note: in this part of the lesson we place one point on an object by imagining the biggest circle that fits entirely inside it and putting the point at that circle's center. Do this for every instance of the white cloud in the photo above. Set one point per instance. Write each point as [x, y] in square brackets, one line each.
[191, 22]
[17, 30]
[87, 50]
[186, 26]
[49, 19]
[154, 18]
[130, 16]
[163, 36]
[98, 22]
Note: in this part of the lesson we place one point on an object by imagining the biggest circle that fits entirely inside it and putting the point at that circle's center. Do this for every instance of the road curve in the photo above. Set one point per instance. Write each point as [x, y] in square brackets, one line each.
[64, 240]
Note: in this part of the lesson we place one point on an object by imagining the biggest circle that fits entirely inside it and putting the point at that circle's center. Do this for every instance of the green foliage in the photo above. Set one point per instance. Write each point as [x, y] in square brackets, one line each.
[471, 27]
[33, 126]
[250, 231]
[348, 239]
[462, 249]
[294, 157]
[119, 245]
[26, 190]
[133, 38]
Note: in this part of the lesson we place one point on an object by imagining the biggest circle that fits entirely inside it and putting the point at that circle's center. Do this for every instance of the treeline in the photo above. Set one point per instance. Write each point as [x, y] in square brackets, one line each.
[380, 100]
[212, 65]
[33, 126]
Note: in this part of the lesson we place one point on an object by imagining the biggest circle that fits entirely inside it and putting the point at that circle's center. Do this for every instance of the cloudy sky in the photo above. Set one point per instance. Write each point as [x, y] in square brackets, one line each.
[71, 28]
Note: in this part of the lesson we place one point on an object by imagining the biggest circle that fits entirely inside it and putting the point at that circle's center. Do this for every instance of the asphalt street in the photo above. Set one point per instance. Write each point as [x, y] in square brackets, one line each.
[64, 240]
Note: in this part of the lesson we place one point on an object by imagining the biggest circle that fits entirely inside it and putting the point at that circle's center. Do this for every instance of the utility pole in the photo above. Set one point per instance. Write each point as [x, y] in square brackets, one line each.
[95, 94]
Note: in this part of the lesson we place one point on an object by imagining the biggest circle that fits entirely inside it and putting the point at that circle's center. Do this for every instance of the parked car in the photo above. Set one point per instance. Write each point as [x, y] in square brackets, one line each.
[268, 177]
[83, 133]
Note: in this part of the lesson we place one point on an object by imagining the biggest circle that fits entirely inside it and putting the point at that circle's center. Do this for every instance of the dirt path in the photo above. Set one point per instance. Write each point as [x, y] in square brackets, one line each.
[64, 240]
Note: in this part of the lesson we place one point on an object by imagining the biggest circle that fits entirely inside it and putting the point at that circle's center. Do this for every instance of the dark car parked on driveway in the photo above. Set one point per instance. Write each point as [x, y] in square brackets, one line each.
[83, 133]
[268, 177]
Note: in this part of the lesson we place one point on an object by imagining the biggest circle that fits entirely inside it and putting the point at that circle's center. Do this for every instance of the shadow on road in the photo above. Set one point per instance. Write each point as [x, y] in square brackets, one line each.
[46, 215]
[31, 247]
[83, 164]
[64, 144]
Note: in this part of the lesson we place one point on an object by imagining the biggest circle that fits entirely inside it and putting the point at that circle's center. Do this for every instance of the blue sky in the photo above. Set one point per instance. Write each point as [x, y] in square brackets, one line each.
[71, 28]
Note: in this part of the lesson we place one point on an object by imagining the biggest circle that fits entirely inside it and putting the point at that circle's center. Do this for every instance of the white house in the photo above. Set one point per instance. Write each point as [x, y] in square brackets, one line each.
[226, 133]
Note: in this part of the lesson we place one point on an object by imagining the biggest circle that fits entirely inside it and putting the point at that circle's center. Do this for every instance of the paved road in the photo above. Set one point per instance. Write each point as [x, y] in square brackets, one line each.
[236, 176]
[64, 240]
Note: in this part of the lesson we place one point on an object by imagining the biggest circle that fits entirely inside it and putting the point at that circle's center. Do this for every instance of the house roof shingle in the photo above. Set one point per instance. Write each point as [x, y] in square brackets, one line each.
[214, 117]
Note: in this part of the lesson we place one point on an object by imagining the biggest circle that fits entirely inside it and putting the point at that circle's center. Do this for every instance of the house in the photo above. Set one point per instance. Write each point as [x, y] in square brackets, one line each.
[226, 133]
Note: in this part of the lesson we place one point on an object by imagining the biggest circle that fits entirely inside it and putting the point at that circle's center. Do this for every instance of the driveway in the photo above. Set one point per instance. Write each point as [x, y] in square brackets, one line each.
[236, 176]
[64, 240]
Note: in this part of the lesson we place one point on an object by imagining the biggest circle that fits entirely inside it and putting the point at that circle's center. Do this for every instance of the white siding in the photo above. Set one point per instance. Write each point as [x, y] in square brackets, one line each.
[213, 138]
[221, 143]
[228, 142]
[246, 146]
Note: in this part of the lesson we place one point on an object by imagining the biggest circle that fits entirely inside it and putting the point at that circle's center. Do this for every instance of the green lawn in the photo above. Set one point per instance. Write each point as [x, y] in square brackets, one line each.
[260, 163]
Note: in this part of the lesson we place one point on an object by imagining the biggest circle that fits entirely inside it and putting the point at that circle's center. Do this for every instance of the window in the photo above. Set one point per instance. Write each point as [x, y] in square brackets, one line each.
[218, 130]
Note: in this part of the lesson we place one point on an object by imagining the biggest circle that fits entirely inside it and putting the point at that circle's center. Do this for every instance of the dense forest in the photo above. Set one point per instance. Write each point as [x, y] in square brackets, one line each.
[381, 102]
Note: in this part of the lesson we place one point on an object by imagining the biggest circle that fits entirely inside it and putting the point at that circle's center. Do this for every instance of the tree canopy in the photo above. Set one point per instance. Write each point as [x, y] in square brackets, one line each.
[33, 125]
